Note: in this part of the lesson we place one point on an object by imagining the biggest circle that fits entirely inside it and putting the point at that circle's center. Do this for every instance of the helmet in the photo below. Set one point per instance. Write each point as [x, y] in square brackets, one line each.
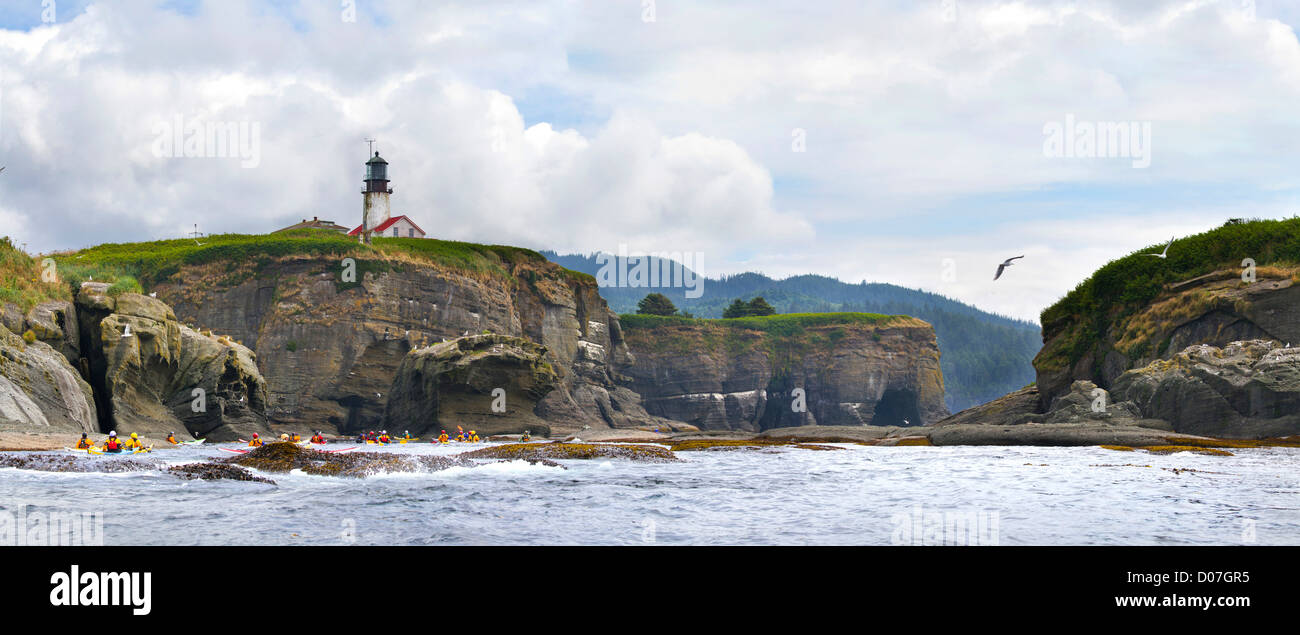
[133, 436]
[254, 434]
[113, 433]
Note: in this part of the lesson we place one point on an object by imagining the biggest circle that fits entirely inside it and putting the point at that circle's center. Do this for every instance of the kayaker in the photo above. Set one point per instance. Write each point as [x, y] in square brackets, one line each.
[525, 438]
[111, 444]
[383, 437]
[295, 437]
[284, 436]
[133, 442]
[317, 438]
[85, 442]
[442, 438]
[361, 437]
[171, 438]
[255, 442]
[473, 436]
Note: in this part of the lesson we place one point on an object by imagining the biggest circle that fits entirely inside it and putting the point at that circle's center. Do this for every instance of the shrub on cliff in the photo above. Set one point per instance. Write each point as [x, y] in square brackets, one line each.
[125, 284]
[20, 279]
[656, 304]
[1124, 285]
[757, 307]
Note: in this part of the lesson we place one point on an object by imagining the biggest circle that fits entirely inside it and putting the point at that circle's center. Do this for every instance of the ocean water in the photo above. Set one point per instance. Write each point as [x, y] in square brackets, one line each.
[784, 496]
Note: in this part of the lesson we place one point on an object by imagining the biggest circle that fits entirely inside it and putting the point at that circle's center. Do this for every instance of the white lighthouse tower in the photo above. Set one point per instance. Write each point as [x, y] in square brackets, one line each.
[374, 208]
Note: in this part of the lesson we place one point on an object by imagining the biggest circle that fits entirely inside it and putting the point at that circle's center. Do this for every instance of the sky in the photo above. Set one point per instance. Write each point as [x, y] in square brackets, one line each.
[915, 142]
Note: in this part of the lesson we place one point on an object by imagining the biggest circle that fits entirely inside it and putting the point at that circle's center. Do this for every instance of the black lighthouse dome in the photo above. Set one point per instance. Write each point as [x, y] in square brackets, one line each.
[377, 175]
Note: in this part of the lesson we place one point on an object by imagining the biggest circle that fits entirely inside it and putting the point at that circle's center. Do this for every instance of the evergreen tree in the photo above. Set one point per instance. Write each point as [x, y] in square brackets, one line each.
[739, 308]
[759, 306]
[656, 304]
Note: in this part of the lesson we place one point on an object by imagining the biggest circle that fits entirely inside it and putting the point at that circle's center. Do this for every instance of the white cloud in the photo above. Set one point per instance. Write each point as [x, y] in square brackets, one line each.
[577, 126]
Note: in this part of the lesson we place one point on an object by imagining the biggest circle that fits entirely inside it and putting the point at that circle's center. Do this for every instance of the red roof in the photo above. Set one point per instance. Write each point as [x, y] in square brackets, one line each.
[385, 225]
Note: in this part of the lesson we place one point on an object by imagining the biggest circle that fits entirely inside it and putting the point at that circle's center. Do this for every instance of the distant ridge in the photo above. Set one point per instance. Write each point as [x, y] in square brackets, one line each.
[984, 355]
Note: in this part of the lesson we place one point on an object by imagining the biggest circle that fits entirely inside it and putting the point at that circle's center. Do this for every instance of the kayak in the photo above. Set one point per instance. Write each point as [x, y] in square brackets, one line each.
[194, 442]
[245, 451]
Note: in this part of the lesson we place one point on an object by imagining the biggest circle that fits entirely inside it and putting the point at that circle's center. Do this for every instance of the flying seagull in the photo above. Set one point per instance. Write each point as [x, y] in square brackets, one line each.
[1165, 253]
[1004, 265]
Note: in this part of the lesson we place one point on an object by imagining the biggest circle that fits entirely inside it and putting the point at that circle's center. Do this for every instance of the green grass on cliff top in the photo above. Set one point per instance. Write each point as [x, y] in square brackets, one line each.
[153, 262]
[1123, 286]
[20, 279]
[786, 323]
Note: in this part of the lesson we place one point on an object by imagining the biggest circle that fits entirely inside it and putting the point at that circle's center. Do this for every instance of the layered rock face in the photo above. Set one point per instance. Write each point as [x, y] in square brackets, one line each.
[487, 383]
[330, 350]
[40, 391]
[1214, 309]
[1248, 389]
[718, 375]
[1243, 390]
[153, 375]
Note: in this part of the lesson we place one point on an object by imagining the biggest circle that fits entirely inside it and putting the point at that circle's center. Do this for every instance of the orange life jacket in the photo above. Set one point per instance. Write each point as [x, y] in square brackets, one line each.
[254, 443]
[84, 443]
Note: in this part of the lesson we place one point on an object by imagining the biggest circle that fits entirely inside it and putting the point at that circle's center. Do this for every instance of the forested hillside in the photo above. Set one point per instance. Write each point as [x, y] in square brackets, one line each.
[984, 355]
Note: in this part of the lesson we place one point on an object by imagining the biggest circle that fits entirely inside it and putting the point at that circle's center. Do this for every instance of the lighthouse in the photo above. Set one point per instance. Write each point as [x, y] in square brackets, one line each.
[375, 208]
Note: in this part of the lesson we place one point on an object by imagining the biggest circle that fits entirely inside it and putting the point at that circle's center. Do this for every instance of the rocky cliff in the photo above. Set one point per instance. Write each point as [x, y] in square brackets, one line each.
[330, 347]
[153, 375]
[1191, 344]
[491, 384]
[40, 391]
[1138, 309]
[1248, 389]
[747, 374]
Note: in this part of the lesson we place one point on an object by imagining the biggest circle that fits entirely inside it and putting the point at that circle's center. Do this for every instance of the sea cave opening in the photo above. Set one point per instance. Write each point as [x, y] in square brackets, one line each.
[897, 407]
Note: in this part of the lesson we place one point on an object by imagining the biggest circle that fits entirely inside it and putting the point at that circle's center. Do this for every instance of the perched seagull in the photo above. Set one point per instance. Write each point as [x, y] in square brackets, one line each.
[1165, 253]
[153, 294]
[1004, 265]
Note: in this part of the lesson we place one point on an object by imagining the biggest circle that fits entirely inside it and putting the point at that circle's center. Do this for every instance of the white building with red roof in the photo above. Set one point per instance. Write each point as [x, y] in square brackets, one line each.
[395, 227]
